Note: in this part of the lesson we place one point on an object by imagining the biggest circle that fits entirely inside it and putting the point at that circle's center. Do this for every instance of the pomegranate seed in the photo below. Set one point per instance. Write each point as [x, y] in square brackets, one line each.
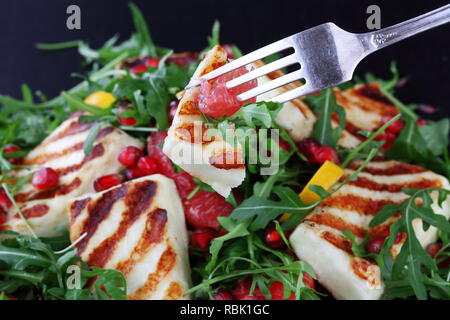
[394, 127]
[277, 291]
[433, 249]
[133, 173]
[5, 203]
[242, 290]
[173, 106]
[324, 153]
[10, 148]
[129, 156]
[308, 148]
[2, 218]
[421, 122]
[388, 136]
[284, 145]
[45, 178]
[108, 181]
[272, 238]
[253, 298]
[139, 68]
[151, 62]
[398, 237]
[309, 281]
[222, 294]
[126, 121]
[375, 245]
[201, 238]
[148, 165]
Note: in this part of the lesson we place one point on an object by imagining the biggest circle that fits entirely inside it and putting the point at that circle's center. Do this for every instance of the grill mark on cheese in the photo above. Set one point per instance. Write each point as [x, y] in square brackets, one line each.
[194, 133]
[189, 108]
[337, 223]
[349, 127]
[77, 207]
[227, 160]
[45, 157]
[137, 201]
[73, 128]
[99, 211]
[155, 229]
[361, 269]
[165, 265]
[363, 206]
[49, 193]
[368, 98]
[396, 169]
[338, 241]
[421, 183]
[38, 210]
[97, 151]
[213, 66]
[174, 292]
[372, 91]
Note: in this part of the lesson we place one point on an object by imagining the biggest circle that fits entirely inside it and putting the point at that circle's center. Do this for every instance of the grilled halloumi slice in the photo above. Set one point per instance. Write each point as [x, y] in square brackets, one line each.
[364, 104]
[138, 228]
[319, 240]
[191, 145]
[62, 151]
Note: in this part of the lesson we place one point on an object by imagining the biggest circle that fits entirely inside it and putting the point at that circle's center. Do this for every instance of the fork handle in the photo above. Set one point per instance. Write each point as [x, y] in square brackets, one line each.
[384, 37]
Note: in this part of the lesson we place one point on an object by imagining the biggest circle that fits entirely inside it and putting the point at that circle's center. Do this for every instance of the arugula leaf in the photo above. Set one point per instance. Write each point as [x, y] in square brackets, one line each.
[236, 230]
[213, 40]
[158, 101]
[412, 261]
[324, 105]
[143, 34]
[90, 139]
[413, 145]
[28, 263]
[436, 135]
[264, 211]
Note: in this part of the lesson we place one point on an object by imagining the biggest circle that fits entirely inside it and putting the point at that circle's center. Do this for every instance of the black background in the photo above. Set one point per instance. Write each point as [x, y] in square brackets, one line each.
[184, 25]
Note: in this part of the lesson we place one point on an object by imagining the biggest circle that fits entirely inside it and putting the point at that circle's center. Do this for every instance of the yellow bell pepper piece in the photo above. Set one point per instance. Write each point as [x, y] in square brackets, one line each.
[100, 99]
[327, 175]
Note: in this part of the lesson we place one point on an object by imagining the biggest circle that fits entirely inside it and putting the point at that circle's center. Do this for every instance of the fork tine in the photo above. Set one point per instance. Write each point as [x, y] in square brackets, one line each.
[244, 60]
[256, 73]
[293, 94]
[278, 82]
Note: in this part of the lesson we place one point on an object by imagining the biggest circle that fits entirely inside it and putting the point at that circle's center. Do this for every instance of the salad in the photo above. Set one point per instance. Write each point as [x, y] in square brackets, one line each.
[127, 186]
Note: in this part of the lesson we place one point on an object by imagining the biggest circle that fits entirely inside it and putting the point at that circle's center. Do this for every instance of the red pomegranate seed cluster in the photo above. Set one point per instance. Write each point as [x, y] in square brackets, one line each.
[391, 133]
[315, 152]
[242, 290]
[141, 65]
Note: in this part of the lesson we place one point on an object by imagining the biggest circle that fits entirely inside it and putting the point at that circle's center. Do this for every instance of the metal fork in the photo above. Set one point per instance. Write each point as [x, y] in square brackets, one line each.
[327, 56]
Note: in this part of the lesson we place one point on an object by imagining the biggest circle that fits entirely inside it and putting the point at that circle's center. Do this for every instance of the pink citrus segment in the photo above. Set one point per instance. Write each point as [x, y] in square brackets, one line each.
[216, 100]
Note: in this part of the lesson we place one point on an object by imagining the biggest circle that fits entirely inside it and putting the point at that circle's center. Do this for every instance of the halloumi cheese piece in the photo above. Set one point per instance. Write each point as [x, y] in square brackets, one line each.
[191, 145]
[319, 241]
[46, 211]
[137, 227]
